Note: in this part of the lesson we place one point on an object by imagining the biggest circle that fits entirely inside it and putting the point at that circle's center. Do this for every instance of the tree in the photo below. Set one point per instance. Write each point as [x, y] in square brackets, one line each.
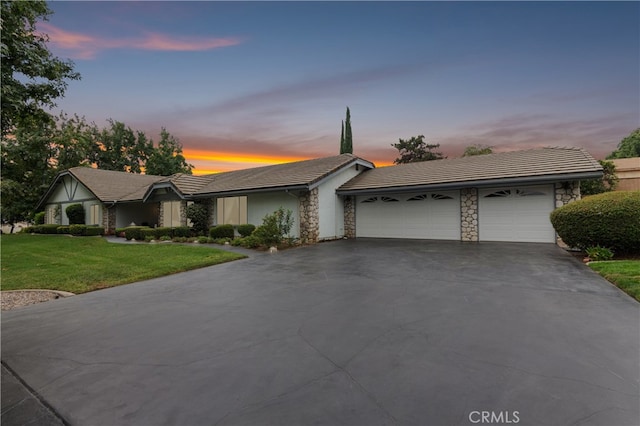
[346, 142]
[477, 149]
[32, 78]
[628, 147]
[607, 183]
[342, 139]
[415, 150]
[167, 159]
[119, 148]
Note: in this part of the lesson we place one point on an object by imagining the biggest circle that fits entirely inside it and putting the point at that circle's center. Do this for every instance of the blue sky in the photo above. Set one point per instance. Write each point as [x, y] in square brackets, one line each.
[243, 84]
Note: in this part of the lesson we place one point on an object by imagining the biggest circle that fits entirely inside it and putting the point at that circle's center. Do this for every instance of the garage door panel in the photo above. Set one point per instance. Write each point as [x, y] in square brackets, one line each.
[426, 216]
[519, 214]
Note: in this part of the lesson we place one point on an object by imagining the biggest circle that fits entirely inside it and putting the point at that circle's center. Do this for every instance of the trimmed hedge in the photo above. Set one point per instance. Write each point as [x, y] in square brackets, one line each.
[77, 230]
[64, 229]
[51, 228]
[609, 220]
[182, 231]
[246, 230]
[38, 218]
[91, 231]
[75, 213]
[134, 232]
[222, 231]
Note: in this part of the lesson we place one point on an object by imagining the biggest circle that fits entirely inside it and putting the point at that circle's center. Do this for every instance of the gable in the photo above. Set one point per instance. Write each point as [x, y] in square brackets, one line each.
[69, 189]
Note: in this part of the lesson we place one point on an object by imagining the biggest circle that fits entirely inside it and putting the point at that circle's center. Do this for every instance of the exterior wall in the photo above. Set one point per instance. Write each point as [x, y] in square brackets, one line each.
[350, 216]
[138, 213]
[331, 214]
[469, 214]
[109, 219]
[70, 190]
[262, 204]
[53, 214]
[309, 217]
[628, 171]
[567, 192]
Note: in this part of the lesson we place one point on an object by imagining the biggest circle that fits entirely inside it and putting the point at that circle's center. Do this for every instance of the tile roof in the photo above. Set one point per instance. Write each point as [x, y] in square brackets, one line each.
[534, 163]
[108, 185]
[296, 174]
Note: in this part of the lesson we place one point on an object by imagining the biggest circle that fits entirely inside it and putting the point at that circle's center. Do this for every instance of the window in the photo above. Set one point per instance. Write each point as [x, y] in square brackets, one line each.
[95, 214]
[51, 215]
[171, 213]
[232, 211]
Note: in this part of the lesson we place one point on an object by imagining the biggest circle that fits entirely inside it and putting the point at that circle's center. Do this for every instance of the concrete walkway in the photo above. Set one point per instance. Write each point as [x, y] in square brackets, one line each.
[361, 332]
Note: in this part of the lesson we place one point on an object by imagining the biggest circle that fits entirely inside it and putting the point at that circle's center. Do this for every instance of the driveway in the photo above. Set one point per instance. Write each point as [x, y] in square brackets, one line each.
[362, 332]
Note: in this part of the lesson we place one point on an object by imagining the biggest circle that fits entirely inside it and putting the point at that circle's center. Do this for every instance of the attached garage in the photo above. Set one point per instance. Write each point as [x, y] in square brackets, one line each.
[425, 215]
[519, 214]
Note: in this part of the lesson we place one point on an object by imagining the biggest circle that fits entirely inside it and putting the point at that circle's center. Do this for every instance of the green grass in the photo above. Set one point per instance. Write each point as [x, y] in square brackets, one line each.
[81, 264]
[623, 273]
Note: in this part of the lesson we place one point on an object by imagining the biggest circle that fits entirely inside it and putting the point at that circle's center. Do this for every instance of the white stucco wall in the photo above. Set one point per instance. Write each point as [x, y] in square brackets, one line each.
[331, 206]
[260, 205]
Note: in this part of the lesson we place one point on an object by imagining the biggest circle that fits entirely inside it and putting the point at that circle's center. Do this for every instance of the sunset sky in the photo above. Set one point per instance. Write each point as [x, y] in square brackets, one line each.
[245, 84]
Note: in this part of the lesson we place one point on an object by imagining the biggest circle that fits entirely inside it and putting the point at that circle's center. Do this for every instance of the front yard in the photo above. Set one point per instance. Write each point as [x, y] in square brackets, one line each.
[82, 264]
[623, 273]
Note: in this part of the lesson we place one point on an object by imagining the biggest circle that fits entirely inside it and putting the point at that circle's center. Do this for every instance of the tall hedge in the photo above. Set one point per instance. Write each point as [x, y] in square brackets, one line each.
[609, 220]
[75, 213]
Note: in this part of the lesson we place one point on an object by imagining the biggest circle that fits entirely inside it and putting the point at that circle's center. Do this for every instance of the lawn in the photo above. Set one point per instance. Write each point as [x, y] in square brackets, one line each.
[81, 264]
[623, 273]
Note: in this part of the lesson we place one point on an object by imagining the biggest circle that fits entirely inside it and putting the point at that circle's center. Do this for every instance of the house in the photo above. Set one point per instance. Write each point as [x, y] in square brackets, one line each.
[497, 197]
[628, 171]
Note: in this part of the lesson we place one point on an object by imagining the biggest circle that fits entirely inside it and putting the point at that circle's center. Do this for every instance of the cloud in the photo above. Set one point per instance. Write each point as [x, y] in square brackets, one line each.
[84, 46]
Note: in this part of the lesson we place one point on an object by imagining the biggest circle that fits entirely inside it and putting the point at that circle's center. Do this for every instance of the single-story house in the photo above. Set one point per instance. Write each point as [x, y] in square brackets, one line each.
[496, 197]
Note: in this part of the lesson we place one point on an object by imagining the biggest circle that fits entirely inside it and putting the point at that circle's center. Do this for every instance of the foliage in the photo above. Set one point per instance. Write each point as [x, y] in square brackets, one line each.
[70, 264]
[120, 148]
[64, 229]
[608, 220]
[203, 240]
[477, 149]
[94, 230]
[165, 238]
[246, 230]
[163, 231]
[75, 213]
[147, 233]
[628, 147]
[167, 159]
[415, 150]
[77, 230]
[198, 214]
[181, 231]
[32, 78]
[275, 227]
[607, 183]
[135, 232]
[38, 218]
[623, 273]
[346, 139]
[222, 231]
[42, 229]
[250, 242]
[599, 253]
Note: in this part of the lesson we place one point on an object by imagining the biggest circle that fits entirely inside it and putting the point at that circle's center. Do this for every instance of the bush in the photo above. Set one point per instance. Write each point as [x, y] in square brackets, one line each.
[182, 231]
[250, 242]
[246, 230]
[77, 230]
[607, 220]
[94, 230]
[275, 227]
[28, 230]
[134, 232]
[38, 218]
[75, 213]
[149, 233]
[599, 253]
[163, 232]
[222, 231]
[198, 214]
[203, 240]
[46, 229]
[63, 230]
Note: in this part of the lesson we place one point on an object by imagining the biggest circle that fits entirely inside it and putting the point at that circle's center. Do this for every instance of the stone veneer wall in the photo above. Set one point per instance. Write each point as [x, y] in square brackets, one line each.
[350, 216]
[109, 219]
[567, 192]
[309, 216]
[469, 214]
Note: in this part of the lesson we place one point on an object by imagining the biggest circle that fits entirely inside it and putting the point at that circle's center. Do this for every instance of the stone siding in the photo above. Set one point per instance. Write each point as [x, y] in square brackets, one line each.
[309, 216]
[469, 214]
[350, 216]
[109, 219]
[567, 192]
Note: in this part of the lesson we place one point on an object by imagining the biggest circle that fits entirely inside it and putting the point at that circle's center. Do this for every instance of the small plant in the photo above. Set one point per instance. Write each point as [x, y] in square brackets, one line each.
[165, 238]
[246, 230]
[222, 231]
[275, 227]
[134, 232]
[77, 230]
[203, 240]
[149, 238]
[598, 253]
[250, 242]
[75, 213]
[38, 218]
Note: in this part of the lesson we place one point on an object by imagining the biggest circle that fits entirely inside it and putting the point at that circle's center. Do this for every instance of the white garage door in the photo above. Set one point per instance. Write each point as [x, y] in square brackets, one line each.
[432, 215]
[518, 214]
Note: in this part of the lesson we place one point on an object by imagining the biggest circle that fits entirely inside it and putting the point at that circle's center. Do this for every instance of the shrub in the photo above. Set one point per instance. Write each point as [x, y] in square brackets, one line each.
[46, 229]
[222, 231]
[148, 233]
[38, 218]
[165, 238]
[203, 240]
[28, 230]
[182, 231]
[163, 232]
[134, 232]
[246, 230]
[250, 242]
[75, 213]
[607, 220]
[599, 253]
[63, 230]
[94, 230]
[77, 230]
[275, 227]
[198, 214]
[179, 239]
[149, 238]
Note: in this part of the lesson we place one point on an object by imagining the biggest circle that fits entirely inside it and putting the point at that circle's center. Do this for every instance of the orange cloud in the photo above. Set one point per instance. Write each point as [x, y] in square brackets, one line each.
[84, 46]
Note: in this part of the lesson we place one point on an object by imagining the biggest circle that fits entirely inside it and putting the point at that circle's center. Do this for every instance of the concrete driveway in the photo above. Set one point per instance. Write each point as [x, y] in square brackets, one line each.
[361, 332]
